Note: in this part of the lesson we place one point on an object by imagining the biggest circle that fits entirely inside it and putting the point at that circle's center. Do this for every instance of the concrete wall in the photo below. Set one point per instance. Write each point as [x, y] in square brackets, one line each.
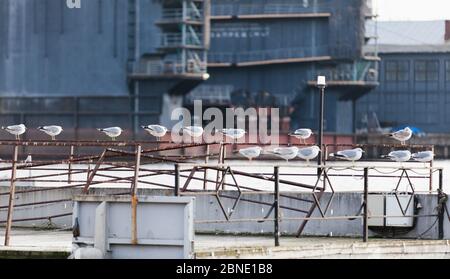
[207, 208]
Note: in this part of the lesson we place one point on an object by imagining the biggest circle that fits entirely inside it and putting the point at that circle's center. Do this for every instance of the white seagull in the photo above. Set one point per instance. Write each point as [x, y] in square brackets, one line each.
[349, 154]
[402, 135]
[398, 155]
[234, 134]
[302, 134]
[112, 132]
[52, 130]
[308, 153]
[157, 131]
[287, 153]
[193, 131]
[16, 130]
[251, 152]
[423, 156]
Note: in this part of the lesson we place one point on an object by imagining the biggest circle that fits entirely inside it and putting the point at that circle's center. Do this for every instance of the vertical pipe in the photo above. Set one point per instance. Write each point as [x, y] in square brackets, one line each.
[277, 206]
[177, 180]
[366, 217]
[12, 193]
[442, 208]
[69, 176]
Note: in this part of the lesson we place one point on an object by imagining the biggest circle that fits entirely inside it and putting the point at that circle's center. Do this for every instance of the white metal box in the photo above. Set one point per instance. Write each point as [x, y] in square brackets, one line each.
[388, 205]
[394, 213]
[375, 208]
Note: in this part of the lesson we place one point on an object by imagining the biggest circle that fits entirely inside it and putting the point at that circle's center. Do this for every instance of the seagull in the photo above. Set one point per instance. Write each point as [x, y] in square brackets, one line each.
[402, 135]
[423, 156]
[16, 130]
[112, 132]
[287, 153]
[308, 153]
[28, 160]
[193, 131]
[398, 155]
[251, 152]
[234, 134]
[349, 154]
[157, 131]
[52, 131]
[302, 134]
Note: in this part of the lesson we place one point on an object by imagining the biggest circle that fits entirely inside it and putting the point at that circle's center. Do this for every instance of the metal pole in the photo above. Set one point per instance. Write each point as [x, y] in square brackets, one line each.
[277, 206]
[431, 172]
[320, 158]
[205, 175]
[366, 217]
[177, 180]
[136, 170]
[12, 193]
[134, 199]
[69, 177]
[223, 163]
[442, 208]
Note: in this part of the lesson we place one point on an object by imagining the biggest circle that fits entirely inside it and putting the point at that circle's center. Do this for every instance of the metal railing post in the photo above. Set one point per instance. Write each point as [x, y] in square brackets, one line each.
[366, 217]
[69, 176]
[441, 213]
[12, 193]
[177, 180]
[277, 206]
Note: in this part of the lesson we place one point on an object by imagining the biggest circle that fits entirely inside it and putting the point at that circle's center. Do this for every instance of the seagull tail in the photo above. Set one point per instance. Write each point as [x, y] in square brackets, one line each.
[143, 127]
[385, 156]
[100, 129]
[3, 128]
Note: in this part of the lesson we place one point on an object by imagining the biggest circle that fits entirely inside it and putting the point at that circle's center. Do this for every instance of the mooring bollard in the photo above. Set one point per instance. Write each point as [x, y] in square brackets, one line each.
[276, 205]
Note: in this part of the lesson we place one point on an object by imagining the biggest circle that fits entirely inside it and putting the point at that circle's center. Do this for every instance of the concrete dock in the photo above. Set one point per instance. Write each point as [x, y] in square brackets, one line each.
[27, 243]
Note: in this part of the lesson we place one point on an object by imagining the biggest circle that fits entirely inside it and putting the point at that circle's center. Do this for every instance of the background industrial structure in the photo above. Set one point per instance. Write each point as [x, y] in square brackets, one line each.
[117, 62]
[414, 77]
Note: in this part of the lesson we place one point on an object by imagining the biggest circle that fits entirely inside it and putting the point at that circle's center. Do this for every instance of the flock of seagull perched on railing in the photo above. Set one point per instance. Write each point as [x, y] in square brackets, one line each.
[286, 153]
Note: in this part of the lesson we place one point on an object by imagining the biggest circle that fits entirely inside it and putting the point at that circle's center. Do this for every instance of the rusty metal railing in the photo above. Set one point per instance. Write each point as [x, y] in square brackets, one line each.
[138, 164]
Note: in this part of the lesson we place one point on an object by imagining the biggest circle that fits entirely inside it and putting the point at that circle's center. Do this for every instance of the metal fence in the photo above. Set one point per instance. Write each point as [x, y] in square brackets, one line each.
[187, 171]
